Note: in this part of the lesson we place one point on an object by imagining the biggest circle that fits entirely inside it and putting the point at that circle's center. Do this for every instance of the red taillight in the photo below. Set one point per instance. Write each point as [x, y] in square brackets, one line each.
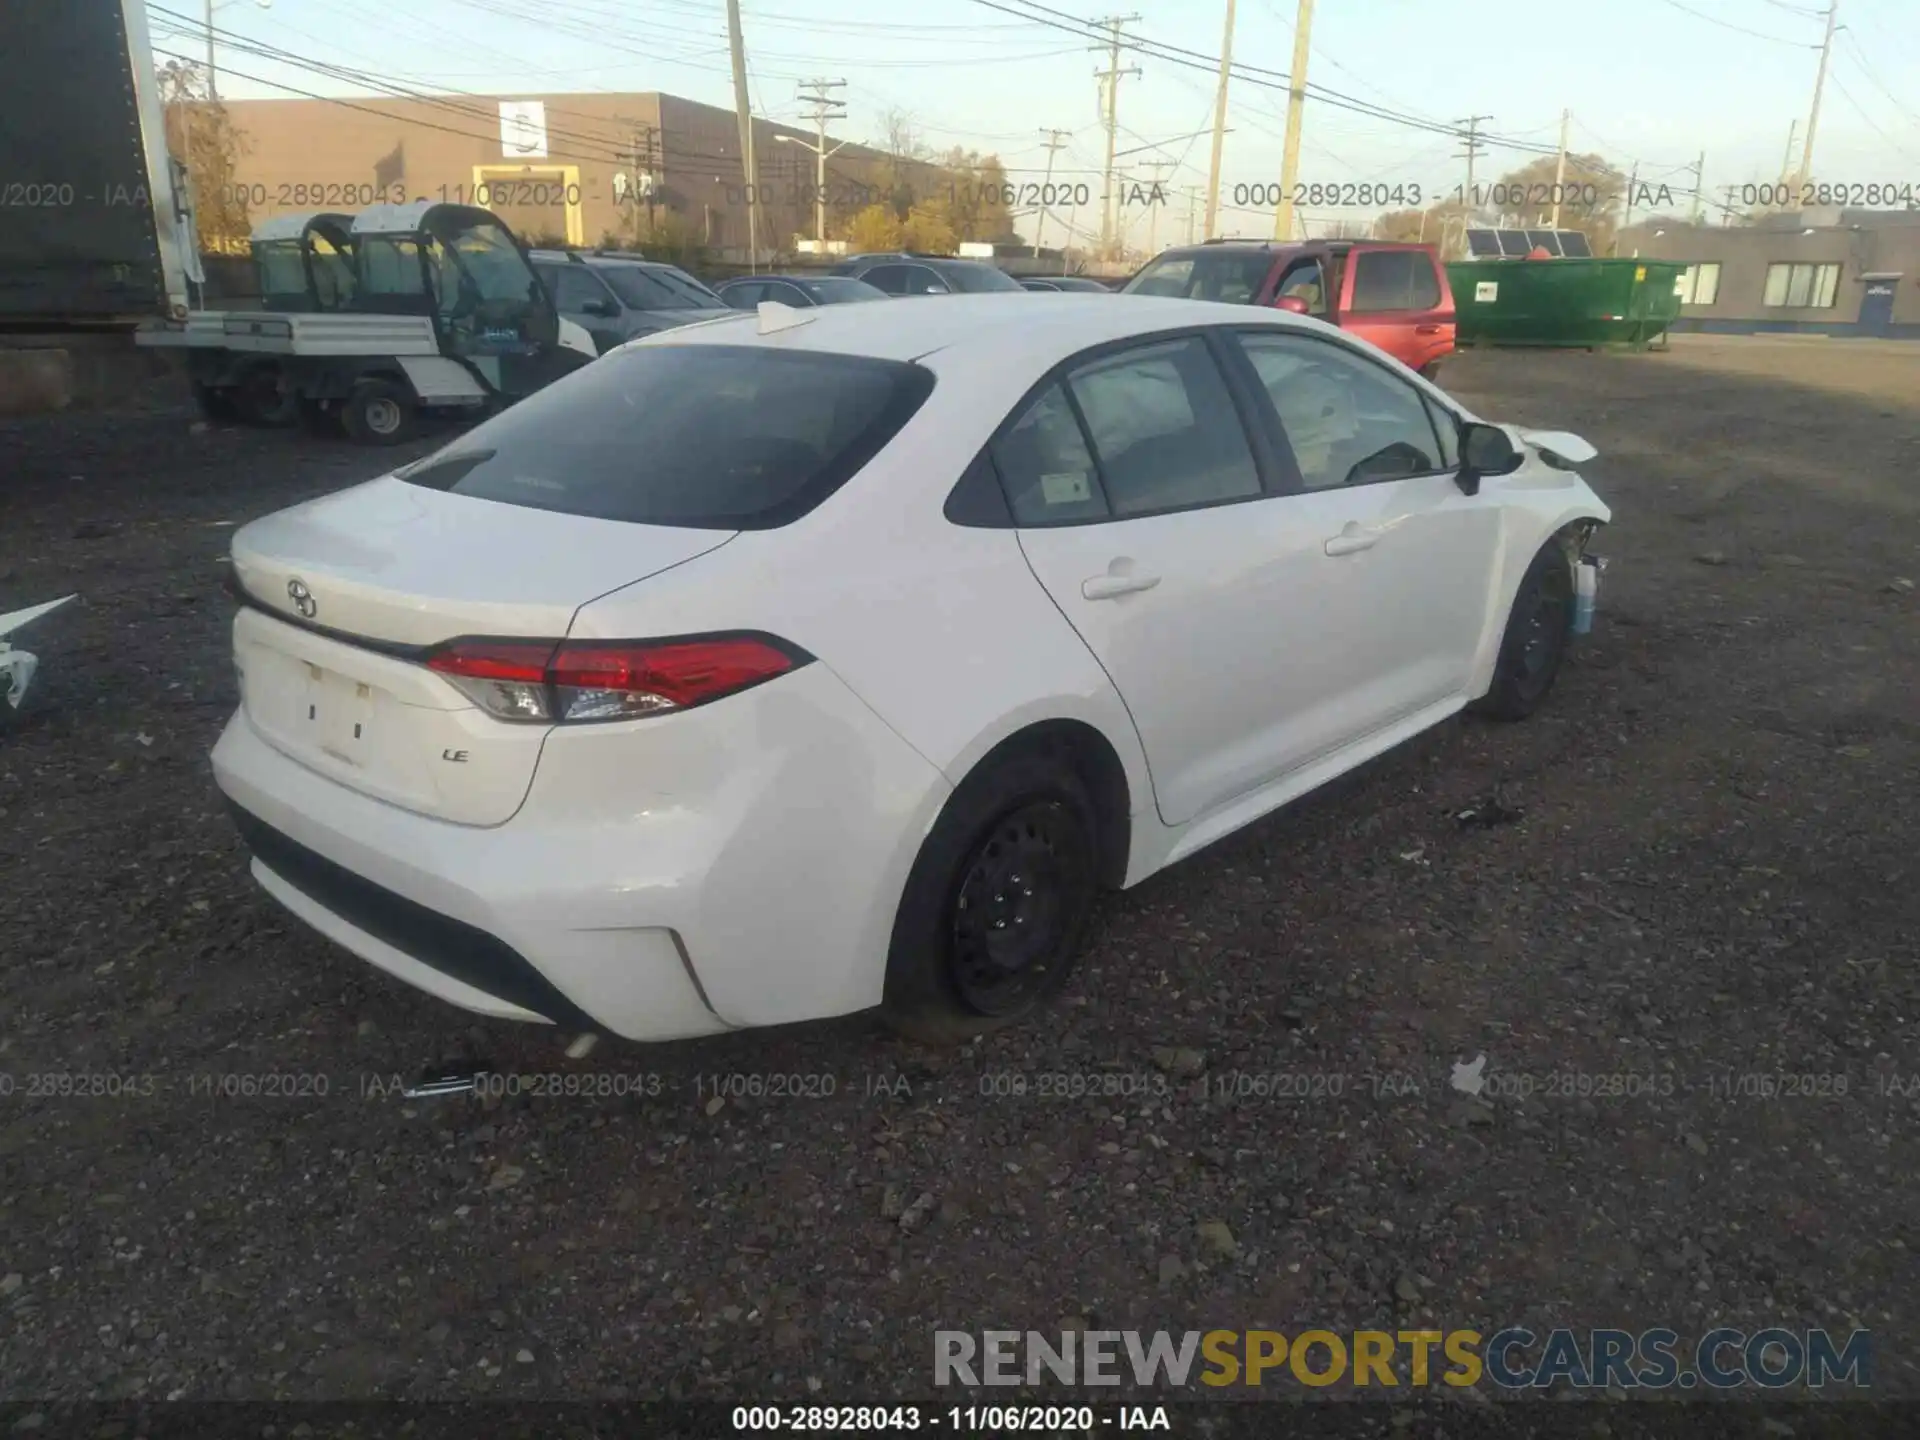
[548, 681]
[495, 660]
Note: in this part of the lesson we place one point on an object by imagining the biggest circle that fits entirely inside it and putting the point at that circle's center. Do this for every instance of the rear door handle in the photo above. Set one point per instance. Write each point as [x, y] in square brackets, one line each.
[1106, 587]
[1352, 541]
[1426, 329]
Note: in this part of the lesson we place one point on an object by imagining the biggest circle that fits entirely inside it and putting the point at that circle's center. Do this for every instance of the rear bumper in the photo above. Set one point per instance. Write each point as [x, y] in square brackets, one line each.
[739, 865]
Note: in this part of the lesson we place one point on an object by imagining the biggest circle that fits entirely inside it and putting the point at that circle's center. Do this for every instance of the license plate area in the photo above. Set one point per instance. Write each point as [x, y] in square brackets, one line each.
[340, 714]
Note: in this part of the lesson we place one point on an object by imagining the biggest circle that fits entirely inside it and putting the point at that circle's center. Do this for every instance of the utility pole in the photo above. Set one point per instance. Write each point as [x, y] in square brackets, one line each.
[1470, 149]
[1633, 180]
[1560, 170]
[640, 158]
[1296, 113]
[213, 90]
[1193, 210]
[1699, 187]
[1056, 142]
[1219, 130]
[1110, 81]
[743, 110]
[1153, 207]
[1813, 113]
[826, 106]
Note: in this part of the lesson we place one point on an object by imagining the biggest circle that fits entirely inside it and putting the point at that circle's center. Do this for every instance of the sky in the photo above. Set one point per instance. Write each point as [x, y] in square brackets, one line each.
[1648, 83]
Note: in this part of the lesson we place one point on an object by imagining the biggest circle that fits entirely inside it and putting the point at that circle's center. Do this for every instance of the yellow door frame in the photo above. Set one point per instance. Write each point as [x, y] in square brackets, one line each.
[567, 175]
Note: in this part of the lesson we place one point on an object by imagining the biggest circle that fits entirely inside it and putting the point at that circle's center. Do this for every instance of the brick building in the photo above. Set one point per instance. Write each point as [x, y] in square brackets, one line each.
[561, 167]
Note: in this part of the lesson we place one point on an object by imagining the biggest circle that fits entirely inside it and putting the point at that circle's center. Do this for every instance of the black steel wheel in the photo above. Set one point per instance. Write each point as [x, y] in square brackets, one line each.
[996, 908]
[1016, 897]
[1539, 628]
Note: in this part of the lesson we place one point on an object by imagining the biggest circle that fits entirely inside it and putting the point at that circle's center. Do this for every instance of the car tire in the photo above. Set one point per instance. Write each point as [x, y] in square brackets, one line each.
[261, 399]
[378, 412]
[1017, 844]
[1539, 630]
[216, 403]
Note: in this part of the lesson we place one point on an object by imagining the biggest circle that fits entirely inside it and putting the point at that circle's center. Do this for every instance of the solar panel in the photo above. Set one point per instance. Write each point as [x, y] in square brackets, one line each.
[1546, 240]
[1514, 243]
[1573, 244]
[1482, 244]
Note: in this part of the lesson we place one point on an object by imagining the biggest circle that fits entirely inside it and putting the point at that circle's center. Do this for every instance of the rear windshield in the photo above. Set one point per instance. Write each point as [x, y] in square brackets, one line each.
[661, 289]
[973, 279]
[1233, 276]
[706, 436]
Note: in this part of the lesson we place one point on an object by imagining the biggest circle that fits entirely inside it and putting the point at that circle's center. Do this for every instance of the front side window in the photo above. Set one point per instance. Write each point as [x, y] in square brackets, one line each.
[499, 272]
[1802, 286]
[922, 281]
[1348, 420]
[705, 436]
[1304, 282]
[573, 287]
[746, 295]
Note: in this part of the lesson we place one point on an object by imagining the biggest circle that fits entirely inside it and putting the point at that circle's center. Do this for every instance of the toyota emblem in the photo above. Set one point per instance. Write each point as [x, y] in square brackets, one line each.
[302, 598]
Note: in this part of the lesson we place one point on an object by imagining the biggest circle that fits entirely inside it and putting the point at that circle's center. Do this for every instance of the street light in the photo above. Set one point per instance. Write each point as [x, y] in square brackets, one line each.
[213, 92]
[820, 153]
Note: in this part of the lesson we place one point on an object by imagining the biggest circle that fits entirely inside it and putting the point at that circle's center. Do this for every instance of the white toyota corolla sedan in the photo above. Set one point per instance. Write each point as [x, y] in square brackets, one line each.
[800, 662]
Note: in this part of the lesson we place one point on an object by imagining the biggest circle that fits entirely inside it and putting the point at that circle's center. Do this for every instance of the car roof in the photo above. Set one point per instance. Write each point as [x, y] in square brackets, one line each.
[1287, 247]
[1032, 327]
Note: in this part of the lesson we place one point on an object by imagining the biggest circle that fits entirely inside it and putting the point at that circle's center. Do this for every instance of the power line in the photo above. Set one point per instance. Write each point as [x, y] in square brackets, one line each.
[1256, 75]
[1739, 29]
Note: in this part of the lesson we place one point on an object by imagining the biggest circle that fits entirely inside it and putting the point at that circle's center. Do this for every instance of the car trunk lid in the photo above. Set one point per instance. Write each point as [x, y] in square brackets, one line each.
[346, 595]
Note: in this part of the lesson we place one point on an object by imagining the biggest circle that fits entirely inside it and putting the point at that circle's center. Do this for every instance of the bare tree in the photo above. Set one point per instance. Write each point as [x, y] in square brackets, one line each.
[203, 137]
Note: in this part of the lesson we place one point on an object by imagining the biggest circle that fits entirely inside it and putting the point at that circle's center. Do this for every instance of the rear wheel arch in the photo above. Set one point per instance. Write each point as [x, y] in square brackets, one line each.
[1091, 756]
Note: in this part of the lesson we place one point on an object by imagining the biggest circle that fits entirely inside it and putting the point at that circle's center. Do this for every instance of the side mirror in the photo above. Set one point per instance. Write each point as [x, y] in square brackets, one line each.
[1292, 304]
[605, 309]
[1485, 450]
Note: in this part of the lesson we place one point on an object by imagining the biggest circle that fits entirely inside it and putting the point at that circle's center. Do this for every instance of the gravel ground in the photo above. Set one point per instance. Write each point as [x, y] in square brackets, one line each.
[1695, 867]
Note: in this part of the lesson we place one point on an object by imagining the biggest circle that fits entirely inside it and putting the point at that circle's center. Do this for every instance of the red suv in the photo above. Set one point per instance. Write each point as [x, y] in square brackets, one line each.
[1394, 296]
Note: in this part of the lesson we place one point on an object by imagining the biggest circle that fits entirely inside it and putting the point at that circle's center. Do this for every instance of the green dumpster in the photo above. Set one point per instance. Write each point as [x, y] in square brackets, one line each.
[1564, 302]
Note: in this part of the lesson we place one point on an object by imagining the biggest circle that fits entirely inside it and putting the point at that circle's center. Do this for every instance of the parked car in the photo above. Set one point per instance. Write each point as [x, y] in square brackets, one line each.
[616, 297]
[1078, 284]
[781, 667]
[799, 291]
[901, 275]
[1394, 296]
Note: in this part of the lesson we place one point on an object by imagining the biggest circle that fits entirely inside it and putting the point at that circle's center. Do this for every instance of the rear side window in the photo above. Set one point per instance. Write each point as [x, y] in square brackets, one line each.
[744, 296]
[890, 278]
[1164, 436]
[1394, 280]
[706, 436]
[1165, 429]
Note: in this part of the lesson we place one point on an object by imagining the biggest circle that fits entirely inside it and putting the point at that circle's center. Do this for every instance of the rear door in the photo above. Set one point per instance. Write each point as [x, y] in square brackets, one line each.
[1143, 507]
[1396, 299]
